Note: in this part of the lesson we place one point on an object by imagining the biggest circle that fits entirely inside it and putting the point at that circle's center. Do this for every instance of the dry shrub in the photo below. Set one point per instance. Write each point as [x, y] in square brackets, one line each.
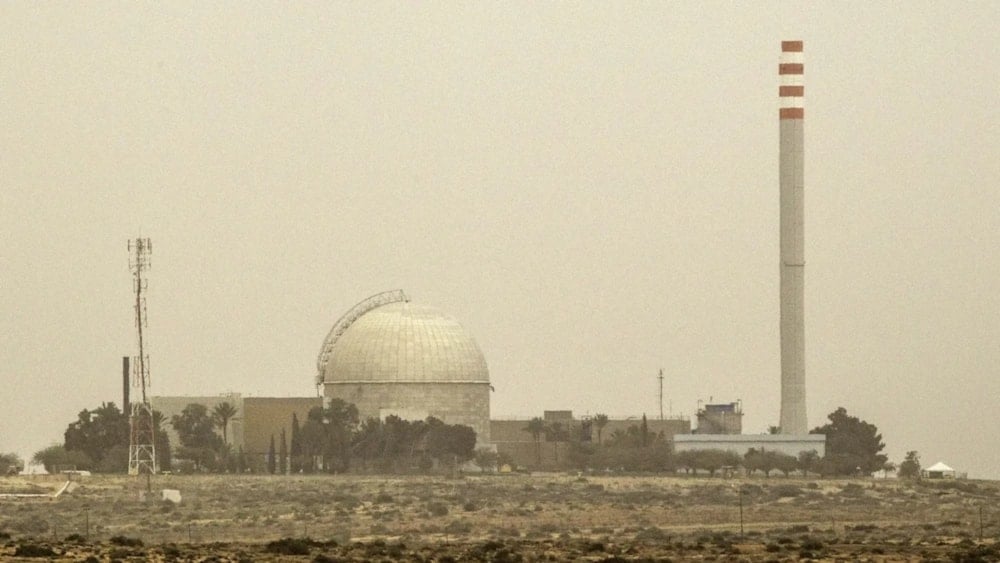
[437, 509]
[33, 550]
[785, 491]
[458, 527]
[652, 535]
[126, 541]
[289, 546]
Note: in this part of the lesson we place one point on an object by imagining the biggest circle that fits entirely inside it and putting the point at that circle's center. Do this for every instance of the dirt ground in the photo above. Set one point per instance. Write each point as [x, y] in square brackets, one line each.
[540, 517]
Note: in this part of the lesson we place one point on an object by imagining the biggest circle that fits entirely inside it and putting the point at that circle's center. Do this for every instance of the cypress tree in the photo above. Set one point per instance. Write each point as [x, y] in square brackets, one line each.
[296, 449]
[283, 455]
[270, 456]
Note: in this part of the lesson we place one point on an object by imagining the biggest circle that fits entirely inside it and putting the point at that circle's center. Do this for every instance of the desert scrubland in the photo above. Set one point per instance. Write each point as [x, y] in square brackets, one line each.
[500, 518]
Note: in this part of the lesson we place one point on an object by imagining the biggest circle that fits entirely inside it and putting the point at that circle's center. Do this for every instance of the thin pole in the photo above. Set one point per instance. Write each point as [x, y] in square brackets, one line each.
[980, 522]
[661, 393]
[741, 512]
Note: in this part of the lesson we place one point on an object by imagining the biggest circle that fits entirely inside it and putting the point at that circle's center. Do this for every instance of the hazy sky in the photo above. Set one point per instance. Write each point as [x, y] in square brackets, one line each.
[590, 188]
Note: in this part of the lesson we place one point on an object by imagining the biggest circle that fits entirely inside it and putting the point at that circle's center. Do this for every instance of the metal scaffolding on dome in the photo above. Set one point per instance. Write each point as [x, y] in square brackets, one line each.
[345, 321]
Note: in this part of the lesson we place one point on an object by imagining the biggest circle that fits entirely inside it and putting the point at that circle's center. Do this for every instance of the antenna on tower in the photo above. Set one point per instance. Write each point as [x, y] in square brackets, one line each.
[141, 449]
[661, 393]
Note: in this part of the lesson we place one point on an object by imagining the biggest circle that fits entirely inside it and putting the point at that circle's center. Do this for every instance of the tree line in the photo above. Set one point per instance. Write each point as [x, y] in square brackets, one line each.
[853, 447]
[332, 439]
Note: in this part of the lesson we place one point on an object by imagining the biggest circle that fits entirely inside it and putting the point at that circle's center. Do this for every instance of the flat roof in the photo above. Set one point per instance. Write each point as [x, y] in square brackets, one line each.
[773, 438]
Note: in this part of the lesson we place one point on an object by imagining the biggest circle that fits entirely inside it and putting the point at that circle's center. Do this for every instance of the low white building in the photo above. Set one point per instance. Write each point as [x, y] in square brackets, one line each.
[940, 471]
[790, 444]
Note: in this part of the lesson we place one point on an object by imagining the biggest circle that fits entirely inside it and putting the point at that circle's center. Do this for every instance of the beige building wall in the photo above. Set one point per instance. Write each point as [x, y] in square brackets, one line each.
[451, 402]
[268, 416]
[171, 406]
[792, 445]
[512, 438]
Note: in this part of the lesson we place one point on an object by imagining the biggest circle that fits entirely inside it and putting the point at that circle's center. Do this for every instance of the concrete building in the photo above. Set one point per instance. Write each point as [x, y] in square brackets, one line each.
[172, 406]
[511, 437]
[724, 418]
[264, 417]
[389, 356]
[256, 420]
[741, 444]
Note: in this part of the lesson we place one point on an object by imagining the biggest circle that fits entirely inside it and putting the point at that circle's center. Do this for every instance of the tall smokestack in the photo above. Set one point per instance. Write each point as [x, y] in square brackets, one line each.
[793, 343]
[125, 387]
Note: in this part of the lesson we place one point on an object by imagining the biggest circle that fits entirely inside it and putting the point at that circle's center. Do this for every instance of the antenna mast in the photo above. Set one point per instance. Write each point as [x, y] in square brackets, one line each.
[141, 451]
[661, 393]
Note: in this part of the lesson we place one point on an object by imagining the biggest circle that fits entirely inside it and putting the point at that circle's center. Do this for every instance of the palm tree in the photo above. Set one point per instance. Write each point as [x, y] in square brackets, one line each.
[221, 415]
[555, 433]
[536, 426]
[600, 421]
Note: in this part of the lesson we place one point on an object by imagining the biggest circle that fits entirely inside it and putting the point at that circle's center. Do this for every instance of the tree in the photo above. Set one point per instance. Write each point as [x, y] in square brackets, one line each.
[271, 465]
[283, 454]
[768, 461]
[328, 436]
[808, 461]
[195, 428]
[555, 433]
[57, 457]
[852, 445]
[295, 449]
[784, 463]
[536, 426]
[341, 420]
[487, 460]
[600, 421]
[10, 464]
[454, 442]
[312, 439]
[713, 460]
[580, 454]
[95, 433]
[644, 432]
[221, 415]
[910, 467]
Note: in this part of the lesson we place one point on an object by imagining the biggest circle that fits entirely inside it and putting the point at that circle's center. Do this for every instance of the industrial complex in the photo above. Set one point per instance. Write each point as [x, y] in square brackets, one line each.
[392, 357]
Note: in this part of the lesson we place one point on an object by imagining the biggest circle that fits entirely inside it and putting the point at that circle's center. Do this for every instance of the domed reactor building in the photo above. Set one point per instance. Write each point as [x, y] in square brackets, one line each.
[389, 356]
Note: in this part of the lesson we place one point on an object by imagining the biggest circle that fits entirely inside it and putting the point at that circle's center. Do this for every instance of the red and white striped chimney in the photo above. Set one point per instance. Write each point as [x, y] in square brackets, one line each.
[791, 158]
[791, 89]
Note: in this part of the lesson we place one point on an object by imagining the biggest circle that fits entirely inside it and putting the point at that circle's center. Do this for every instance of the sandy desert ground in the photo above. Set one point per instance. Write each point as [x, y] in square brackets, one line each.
[540, 517]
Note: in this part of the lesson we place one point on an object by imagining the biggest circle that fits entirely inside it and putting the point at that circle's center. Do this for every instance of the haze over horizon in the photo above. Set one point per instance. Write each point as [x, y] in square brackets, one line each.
[590, 189]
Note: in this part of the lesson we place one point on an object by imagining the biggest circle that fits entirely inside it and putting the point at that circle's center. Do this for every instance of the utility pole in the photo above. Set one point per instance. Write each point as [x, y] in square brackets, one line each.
[661, 393]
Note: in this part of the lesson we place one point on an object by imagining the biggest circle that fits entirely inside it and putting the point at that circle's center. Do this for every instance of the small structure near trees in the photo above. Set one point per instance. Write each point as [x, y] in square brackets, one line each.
[940, 471]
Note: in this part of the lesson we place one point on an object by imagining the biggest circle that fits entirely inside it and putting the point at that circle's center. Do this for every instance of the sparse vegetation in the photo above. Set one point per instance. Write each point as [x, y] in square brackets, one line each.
[512, 517]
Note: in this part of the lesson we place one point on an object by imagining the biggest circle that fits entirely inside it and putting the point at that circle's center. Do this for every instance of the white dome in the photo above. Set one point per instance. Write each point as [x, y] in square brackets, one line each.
[405, 342]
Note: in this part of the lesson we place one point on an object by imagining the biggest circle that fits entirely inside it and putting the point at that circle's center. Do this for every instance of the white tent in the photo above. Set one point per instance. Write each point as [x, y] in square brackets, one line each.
[939, 471]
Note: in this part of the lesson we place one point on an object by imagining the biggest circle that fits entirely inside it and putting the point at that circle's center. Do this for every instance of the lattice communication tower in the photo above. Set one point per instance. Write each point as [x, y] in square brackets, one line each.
[141, 450]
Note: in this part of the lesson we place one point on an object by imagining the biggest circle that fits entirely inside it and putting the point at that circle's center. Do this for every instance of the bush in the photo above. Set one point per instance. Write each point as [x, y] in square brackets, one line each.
[289, 546]
[126, 541]
[812, 544]
[652, 535]
[31, 550]
[785, 491]
[458, 527]
[437, 509]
